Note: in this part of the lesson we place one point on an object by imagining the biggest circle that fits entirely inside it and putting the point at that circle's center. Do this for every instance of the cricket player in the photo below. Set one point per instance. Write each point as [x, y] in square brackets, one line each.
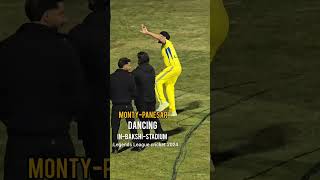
[169, 76]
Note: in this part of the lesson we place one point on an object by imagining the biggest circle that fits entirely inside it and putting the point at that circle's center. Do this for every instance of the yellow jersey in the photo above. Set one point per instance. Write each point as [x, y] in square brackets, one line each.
[169, 54]
[219, 25]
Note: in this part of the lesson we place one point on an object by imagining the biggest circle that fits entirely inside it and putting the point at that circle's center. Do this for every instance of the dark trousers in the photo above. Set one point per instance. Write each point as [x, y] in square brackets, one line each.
[115, 120]
[97, 156]
[95, 133]
[21, 147]
[149, 107]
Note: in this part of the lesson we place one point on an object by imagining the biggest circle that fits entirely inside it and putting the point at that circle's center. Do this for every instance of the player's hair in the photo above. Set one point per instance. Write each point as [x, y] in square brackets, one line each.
[36, 8]
[165, 34]
[123, 61]
[143, 57]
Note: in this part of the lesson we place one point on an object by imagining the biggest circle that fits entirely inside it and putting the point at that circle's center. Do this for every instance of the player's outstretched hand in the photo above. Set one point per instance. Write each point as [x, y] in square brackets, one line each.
[144, 29]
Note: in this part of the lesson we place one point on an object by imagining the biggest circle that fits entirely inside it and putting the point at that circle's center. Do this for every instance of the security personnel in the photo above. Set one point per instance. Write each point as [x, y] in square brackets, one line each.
[91, 38]
[43, 87]
[145, 99]
[122, 93]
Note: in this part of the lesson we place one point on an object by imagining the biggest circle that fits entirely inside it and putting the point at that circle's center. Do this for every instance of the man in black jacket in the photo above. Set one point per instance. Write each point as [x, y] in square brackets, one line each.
[91, 39]
[122, 93]
[145, 100]
[41, 88]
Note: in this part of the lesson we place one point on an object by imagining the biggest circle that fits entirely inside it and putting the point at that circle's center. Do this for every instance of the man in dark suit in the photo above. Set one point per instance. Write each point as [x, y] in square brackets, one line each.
[145, 99]
[41, 88]
[122, 92]
[91, 39]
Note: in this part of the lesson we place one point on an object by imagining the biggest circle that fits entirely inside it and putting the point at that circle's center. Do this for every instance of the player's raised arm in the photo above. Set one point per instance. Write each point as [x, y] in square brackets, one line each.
[159, 37]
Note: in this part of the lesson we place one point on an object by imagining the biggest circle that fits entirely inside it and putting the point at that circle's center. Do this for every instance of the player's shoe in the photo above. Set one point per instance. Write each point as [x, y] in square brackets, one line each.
[163, 106]
[173, 114]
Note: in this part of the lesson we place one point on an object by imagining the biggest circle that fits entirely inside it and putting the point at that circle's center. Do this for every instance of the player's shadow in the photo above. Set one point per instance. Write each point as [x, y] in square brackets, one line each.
[190, 106]
[124, 149]
[175, 131]
[267, 139]
[172, 132]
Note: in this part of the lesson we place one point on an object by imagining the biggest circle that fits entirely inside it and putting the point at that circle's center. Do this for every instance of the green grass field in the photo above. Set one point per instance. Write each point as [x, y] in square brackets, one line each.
[267, 75]
[188, 22]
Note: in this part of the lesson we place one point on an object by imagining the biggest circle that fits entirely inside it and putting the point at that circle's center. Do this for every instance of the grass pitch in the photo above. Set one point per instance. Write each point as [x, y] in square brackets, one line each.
[267, 77]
